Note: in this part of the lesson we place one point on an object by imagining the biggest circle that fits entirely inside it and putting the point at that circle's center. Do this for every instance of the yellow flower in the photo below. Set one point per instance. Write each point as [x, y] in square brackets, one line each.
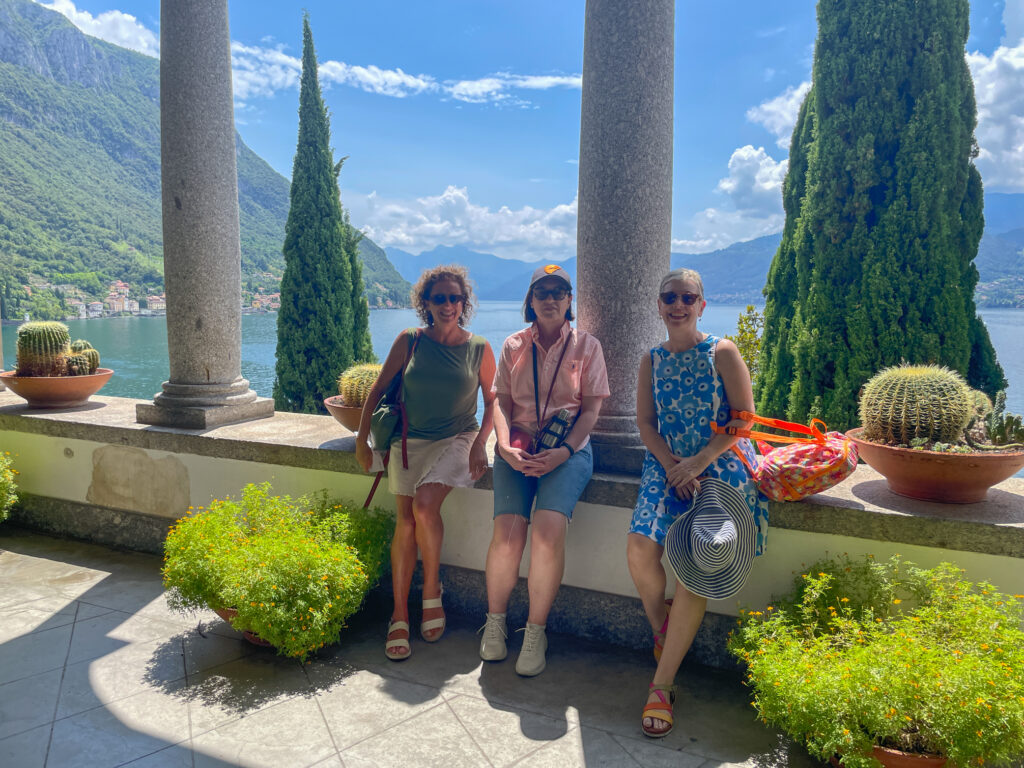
[897, 601]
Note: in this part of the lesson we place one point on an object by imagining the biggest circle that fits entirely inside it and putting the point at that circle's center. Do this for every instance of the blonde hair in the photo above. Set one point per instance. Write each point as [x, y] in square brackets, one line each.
[683, 274]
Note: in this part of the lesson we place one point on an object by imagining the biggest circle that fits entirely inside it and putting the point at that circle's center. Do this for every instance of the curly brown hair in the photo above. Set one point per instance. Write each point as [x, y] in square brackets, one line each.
[421, 291]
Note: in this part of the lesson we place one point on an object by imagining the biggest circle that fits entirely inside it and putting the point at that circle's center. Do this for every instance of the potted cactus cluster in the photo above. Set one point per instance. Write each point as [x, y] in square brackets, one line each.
[354, 385]
[935, 438]
[52, 371]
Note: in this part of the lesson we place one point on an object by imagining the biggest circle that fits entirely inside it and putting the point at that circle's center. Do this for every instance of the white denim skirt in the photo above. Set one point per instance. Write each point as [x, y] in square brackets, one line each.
[444, 461]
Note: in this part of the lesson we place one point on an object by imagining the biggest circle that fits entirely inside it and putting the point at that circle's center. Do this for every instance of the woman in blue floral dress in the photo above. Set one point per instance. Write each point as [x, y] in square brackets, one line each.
[685, 383]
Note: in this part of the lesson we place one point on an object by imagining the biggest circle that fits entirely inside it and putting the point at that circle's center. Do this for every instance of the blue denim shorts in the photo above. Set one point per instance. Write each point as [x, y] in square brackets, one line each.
[558, 490]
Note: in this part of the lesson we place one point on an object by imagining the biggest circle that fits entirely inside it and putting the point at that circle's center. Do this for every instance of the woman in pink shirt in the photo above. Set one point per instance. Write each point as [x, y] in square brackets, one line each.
[549, 370]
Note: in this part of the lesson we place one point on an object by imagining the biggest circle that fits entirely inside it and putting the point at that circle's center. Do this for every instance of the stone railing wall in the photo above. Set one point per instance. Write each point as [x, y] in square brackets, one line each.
[97, 474]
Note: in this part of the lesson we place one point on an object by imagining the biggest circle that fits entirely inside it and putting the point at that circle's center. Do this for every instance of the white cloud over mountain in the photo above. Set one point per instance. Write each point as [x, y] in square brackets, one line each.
[451, 218]
[113, 26]
[999, 92]
[260, 71]
[754, 187]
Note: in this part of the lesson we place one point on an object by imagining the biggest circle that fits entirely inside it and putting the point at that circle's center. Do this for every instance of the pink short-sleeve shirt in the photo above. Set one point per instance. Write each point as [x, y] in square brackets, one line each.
[582, 374]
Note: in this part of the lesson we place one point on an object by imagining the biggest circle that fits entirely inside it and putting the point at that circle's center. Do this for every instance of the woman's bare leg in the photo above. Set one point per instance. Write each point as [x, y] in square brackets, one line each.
[426, 510]
[403, 563]
[503, 558]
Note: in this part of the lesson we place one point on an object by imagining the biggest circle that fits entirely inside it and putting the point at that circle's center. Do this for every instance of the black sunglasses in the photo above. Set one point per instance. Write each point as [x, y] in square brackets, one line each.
[438, 299]
[555, 293]
[689, 299]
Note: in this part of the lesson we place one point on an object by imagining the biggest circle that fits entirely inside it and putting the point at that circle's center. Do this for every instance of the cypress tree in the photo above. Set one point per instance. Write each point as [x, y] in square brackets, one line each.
[883, 213]
[316, 321]
[362, 346]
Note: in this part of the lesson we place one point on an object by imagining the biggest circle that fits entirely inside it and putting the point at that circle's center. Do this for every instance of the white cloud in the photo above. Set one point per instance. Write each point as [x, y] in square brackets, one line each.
[999, 92]
[385, 82]
[713, 228]
[260, 71]
[754, 183]
[497, 88]
[113, 26]
[754, 187]
[779, 115]
[1013, 23]
[451, 218]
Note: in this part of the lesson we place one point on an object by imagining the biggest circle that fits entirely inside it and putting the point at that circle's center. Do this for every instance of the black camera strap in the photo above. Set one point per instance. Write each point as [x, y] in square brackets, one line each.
[536, 386]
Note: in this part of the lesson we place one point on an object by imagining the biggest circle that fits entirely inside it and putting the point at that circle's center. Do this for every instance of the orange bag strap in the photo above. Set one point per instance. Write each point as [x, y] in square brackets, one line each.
[816, 434]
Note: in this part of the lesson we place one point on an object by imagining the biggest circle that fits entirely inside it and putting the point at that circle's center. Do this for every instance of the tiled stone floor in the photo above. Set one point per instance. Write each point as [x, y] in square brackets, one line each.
[96, 671]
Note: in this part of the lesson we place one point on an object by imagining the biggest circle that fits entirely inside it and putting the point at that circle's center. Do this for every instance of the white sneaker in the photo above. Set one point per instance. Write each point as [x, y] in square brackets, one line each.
[492, 644]
[531, 659]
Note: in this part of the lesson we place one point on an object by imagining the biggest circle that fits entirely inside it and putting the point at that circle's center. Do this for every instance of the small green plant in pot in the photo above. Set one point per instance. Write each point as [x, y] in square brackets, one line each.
[864, 653]
[8, 488]
[293, 569]
[354, 385]
[52, 371]
[933, 437]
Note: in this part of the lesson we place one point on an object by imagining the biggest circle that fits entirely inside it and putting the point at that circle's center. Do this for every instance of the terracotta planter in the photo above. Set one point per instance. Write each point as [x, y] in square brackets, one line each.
[894, 758]
[228, 614]
[56, 391]
[347, 415]
[955, 478]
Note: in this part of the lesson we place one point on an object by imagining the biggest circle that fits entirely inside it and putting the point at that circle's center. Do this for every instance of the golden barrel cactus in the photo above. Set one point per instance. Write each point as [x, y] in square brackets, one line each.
[912, 402]
[356, 382]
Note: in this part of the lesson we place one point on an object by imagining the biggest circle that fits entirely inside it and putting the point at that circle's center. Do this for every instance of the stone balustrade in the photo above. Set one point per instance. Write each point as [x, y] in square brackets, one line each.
[96, 473]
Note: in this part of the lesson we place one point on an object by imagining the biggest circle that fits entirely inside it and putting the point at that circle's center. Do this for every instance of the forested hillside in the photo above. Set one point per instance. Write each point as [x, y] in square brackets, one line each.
[80, 172]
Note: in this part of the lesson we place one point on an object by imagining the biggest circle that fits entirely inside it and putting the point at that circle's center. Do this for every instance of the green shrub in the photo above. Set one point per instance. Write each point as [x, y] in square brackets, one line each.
[749, 329]
[8, 488]
[294, 569]
[865, 652]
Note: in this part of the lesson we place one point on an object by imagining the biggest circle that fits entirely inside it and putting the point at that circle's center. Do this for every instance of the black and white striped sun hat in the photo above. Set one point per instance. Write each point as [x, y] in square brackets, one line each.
[710, 547]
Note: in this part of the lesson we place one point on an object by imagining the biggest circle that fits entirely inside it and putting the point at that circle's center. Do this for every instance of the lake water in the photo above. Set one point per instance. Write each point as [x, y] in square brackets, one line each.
[136, 347]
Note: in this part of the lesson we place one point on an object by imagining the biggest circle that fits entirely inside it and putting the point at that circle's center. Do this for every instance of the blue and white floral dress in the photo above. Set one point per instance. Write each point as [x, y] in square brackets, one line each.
[688, 394]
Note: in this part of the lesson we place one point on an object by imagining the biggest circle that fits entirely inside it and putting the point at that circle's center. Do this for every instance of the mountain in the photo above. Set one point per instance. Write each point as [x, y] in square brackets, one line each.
[385, 287]
[494, 278]
[1003, 212]
[735, 274]
[80, 171]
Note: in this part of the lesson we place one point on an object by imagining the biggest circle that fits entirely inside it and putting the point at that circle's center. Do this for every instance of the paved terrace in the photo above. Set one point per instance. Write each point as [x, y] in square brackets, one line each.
[96, 671]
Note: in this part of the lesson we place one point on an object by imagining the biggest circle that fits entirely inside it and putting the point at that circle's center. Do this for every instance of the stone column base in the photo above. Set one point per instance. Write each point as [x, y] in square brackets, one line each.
[617, 445]
[203, 417]
[204, 406]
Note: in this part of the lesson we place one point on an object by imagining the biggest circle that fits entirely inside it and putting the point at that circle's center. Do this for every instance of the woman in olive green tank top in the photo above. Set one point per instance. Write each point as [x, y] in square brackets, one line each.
[445, 446]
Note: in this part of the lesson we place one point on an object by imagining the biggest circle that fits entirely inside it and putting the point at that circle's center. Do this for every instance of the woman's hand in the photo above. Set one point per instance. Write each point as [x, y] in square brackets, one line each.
[517, 458]
[477, 459]
[689, 490]
[363, 454]
[541, 463]
[685, 470]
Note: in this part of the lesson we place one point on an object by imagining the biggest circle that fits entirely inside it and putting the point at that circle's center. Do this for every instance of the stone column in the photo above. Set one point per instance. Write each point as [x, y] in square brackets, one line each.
[625, 201]
[202, 256]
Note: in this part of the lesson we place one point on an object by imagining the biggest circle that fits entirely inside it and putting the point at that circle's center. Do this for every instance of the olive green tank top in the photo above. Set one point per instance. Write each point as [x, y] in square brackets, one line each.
[440, 387]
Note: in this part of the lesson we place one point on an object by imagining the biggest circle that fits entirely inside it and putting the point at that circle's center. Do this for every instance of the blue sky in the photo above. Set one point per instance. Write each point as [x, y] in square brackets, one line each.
[461, 117]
